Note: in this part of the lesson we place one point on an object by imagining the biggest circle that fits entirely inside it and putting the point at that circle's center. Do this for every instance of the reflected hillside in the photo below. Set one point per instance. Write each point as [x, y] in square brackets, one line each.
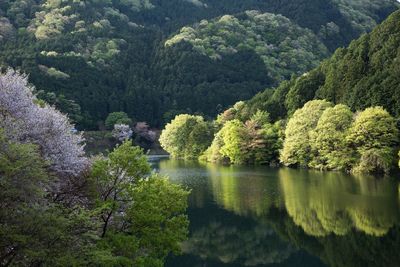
[326, 203]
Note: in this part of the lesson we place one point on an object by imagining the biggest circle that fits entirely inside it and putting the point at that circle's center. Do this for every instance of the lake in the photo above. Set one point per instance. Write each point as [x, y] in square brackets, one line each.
[260, 216]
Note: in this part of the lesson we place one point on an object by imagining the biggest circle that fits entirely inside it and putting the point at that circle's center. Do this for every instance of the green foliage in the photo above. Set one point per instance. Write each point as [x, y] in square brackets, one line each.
[34, 228]
[157, 219]
[213, 152]
[325, 137]
[109, 55]
[303, 90]
[283, 54]
[117, 118]
[235, 139]
[113, 178]
[328, 140]
[362, 15]
[150, 208]
[264, 142]
[313, 140]
[260, 118]
[118, 216]
[375, 161]
[297, 146]
[362, 75]
[63, 104]
[125, 159]
[366, 73]
[256, 141]
[272, 100]
[186, 136]
[237, 111]
[375, 136]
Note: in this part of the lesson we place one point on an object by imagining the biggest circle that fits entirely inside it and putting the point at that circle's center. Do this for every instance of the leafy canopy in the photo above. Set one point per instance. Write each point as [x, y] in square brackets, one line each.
[297, 146]
[186, 136]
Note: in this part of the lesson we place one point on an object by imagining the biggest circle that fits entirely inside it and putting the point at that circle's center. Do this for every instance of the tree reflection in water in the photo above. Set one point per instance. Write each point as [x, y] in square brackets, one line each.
[284, 217]
[326, 203]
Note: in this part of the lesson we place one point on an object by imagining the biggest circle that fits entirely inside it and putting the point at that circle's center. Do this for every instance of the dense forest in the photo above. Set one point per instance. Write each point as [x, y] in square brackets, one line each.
[91, 58]
[298, 123]
[361, 75]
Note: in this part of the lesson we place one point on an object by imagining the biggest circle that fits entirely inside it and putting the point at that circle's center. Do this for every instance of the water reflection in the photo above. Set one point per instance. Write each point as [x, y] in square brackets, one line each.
[325, 203]
[243, 191]
[259, 216]
[253, 246]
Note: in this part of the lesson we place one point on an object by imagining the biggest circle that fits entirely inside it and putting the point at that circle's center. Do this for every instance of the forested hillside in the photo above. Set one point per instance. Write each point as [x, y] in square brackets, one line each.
[342, 115]
[366, 73]
[90, 58]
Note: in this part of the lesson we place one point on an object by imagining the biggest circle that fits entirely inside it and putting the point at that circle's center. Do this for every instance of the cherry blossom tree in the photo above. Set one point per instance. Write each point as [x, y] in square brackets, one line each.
[122, 132]
[26, 119]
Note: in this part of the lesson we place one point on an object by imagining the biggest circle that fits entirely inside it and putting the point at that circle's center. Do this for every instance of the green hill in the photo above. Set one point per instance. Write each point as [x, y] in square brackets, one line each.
[366, 73]
[90, 58]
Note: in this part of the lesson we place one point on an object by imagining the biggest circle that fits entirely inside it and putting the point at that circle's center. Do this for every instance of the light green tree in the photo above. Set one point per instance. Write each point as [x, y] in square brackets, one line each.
[114, 176]
[157, 218]
[375, 136]
[297, 147]
[143, 215]
[235, 142]
[213, 152]
[328, 140]
[186, 136]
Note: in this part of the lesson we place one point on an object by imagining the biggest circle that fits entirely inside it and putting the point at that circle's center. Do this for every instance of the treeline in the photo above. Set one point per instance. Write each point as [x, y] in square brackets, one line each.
[319, 135]
[60, 208]
[286, 125]
[100, 57]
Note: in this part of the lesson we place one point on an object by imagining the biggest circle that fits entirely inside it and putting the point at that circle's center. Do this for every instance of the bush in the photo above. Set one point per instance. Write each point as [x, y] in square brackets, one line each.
[117, 118]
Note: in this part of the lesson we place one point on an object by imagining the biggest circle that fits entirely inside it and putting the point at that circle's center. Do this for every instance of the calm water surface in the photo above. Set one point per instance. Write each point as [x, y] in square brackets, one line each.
[255, 216]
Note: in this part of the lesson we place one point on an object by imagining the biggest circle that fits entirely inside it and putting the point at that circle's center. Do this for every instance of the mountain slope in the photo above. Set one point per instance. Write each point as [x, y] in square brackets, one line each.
[284, 47]
[109, 55]
[366, 73]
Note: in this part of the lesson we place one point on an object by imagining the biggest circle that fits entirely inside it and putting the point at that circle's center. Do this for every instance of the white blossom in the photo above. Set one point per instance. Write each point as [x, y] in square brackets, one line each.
[122, 132]
[24, 120]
